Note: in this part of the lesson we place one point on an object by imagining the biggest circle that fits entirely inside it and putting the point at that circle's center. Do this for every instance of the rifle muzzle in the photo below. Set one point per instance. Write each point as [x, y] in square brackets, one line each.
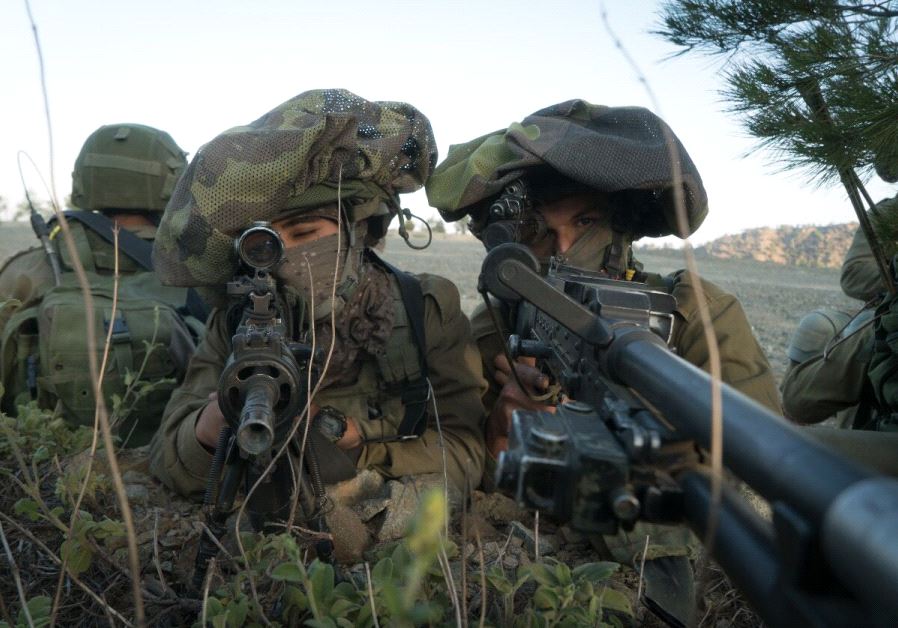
[256, 431]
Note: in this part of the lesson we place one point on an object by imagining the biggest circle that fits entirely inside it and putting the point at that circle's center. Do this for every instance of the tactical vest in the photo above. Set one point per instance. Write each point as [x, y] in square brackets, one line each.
[44, 354]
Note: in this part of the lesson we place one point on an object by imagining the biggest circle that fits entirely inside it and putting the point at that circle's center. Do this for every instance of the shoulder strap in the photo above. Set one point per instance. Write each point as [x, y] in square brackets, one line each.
[137, 249]
[416, 393]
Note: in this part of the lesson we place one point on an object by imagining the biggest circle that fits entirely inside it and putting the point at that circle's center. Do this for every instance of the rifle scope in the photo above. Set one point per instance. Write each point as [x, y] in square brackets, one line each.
[260, 247]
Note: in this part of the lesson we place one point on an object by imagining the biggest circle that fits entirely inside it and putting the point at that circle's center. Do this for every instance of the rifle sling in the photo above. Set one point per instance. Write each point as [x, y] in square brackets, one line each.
[416, 393]
[137, 249]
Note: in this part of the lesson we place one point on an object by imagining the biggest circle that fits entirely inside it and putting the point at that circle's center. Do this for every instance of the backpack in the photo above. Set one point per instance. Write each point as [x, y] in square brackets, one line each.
[44, 352]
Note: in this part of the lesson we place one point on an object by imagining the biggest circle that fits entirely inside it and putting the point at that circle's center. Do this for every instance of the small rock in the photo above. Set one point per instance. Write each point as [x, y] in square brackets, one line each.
[498, 508]
[370, 508]
[547, 543]
[474, 524]
[133, 477]
[166, 566]
[137, 493]
[491, 550]
[510, 562]
[403, 503]
[571, 536]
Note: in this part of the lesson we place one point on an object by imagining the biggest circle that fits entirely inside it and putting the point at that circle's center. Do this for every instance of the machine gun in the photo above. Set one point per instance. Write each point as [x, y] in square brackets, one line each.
[262, 389]
[629, 448]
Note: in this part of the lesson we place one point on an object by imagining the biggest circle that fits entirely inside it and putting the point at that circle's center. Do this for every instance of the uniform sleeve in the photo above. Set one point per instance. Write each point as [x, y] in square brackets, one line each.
[489, 343]
[819, 387]
[25, 277]
[860, 276]
[456, 376]
[743, 363]
[176, 457]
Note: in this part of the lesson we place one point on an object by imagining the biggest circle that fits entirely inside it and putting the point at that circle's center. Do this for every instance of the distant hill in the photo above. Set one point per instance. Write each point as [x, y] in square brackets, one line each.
[808, 245]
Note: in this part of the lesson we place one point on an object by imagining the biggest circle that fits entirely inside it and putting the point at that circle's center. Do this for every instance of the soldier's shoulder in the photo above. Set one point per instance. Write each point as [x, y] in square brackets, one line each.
[443, 295]
[685, 290]
[24, 260]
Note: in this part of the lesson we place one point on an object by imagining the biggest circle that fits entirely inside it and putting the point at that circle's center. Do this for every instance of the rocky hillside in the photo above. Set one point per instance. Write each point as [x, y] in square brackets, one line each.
[809, 245]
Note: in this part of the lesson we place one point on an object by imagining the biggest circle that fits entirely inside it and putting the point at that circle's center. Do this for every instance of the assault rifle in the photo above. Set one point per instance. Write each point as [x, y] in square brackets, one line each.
[261, 391]
[628, 444]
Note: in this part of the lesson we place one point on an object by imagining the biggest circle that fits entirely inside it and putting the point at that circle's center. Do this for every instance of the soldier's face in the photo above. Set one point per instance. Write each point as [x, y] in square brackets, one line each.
[569, 218]
[300, 230]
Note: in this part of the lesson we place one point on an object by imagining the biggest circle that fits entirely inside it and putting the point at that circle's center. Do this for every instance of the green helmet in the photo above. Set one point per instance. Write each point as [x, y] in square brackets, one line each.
[319, 147]
[628, 153]
[127, 167]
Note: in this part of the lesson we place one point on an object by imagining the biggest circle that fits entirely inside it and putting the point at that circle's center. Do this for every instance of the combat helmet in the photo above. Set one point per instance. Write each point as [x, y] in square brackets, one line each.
[628, 153]
[128, 167]
[318, 148]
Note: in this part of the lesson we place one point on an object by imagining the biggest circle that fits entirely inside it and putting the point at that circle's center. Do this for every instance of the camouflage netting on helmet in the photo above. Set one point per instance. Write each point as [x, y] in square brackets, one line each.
[295, 157]
[622, 151]
[128, 167]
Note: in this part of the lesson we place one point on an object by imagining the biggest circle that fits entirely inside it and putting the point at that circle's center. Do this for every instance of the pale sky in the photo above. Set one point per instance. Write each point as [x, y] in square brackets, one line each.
[196, 68]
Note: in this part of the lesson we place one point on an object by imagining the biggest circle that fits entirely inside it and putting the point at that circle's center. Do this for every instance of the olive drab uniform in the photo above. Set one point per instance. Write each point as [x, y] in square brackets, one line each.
[622, 154]
[123, 168]
[454, 364]
[326, 154]
[821, 386]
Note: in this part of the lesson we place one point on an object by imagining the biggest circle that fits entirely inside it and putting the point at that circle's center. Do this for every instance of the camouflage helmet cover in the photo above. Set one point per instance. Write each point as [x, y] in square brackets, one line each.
[295, 157]
[627, 152]
[127, 167]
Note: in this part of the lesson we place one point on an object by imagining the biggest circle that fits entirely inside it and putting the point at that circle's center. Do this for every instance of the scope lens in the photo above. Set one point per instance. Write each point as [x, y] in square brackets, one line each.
[260, 247]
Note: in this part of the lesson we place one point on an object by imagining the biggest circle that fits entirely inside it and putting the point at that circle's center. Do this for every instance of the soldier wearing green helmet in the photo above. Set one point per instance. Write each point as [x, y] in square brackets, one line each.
[582, 182]
[325, 169]
[123, 176]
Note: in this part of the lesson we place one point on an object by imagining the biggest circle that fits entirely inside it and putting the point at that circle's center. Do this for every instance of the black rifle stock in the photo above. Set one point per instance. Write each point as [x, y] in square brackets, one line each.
[629, 448]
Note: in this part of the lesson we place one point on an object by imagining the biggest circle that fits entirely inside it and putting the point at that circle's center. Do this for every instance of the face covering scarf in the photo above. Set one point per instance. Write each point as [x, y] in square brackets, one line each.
[362, 302]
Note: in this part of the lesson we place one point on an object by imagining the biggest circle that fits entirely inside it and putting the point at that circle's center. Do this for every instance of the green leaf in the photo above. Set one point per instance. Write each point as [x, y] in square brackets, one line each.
[342, 607]
[563, 574]
[76, 554]
[382, 573]
[220, 621]
[324, 622]
[392, 601]
[546, 597]
[612, 600]
[542, 574]
[321, 576]
[108, 528]
[295, 598]
[595, 572]
[288, 572]
[237, 612]
[39, 608]
[41, 454]
[28, 508]
[497, 578]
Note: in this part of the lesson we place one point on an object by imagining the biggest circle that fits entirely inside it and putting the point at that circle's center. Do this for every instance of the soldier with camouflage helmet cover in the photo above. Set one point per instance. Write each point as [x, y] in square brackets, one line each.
[583, 182]
[325, 169]
[123, 176]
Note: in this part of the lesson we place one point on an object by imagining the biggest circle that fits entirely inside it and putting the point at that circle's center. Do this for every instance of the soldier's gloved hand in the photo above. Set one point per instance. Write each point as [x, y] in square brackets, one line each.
[209, 423]
[512, 398]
